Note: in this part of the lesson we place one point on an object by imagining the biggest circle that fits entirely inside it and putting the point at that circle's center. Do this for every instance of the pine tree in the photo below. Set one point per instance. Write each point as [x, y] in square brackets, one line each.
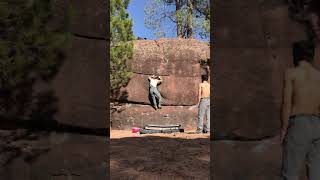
[190, 17]
[30, 50]
[189, 27]
[121, 49]
[202, 14]
[179, 19]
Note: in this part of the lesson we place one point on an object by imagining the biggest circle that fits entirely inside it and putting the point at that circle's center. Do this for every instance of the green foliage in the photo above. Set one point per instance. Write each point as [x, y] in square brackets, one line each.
[159, 12]
[121, 46]
[202, 11]
[30, 50]
[155, 15]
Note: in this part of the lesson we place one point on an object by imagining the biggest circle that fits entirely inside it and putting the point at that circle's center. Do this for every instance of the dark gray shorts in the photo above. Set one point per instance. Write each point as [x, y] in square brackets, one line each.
[301, 147]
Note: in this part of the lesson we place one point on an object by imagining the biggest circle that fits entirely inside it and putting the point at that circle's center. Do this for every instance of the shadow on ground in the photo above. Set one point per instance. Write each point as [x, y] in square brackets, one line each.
[19, 136]
[154, 157]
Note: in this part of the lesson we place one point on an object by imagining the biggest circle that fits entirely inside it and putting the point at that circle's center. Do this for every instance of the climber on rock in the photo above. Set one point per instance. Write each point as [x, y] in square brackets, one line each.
[204, 105]
[300, 133]
[154, 92]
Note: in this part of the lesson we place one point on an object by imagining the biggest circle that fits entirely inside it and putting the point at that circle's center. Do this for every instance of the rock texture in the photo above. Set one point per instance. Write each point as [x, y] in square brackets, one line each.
[253, 41]
[88, 18]
[164, 57]
[178, 62]
[80, 93]
[249, 68]
[173, 90]
[134, 115]
[80, 84]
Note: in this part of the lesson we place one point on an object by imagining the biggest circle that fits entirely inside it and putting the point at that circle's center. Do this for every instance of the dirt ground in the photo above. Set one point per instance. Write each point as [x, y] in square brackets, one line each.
[159, 156]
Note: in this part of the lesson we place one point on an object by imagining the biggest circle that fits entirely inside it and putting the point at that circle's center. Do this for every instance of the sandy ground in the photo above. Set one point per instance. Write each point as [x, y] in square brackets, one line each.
[159, 156]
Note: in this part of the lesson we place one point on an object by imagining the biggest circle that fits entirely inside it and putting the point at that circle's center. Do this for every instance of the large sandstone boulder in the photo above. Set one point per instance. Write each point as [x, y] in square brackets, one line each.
[249, 67]
[175, 90]
[88, 17]
[140, 115]
[80, 94]
[243, 101]
[80, 85]
[176, 60]
[253, 48]
[178, 57]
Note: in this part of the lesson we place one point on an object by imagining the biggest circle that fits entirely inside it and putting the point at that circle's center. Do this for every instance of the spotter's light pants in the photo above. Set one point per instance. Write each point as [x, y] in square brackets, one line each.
[302, 147]
[204, 109]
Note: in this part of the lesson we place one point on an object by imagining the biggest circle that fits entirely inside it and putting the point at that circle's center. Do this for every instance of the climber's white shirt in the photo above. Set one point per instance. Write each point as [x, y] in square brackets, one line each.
[154, 82]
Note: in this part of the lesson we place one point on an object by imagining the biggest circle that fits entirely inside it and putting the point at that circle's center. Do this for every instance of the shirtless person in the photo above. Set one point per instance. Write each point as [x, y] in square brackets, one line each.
[154, 93]
[204, 105]
[300, 132]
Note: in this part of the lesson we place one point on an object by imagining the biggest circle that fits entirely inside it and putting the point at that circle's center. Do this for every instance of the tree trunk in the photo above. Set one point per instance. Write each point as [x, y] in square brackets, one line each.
[179, 19]
[189, 19]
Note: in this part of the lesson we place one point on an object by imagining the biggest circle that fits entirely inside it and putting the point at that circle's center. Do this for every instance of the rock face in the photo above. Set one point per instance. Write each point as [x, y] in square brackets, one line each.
[164, 57]
[80, 83]
[88, 18]
[173, 89]
[82, 72]
[252, 49]
[178, 62]
[249, 71]
[140, 115]
[80, 93]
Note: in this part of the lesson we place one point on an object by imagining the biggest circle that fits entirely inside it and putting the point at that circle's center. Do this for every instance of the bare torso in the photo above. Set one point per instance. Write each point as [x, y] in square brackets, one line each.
[306, 90]
[205, 89]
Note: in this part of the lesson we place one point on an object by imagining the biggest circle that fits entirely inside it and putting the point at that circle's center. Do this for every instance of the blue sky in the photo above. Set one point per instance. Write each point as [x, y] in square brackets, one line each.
[136, 12]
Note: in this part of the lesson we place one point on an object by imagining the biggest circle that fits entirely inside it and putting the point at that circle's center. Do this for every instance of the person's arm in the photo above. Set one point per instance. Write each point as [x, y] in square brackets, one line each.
[208, 70]
[199, 94]
[287, 103]
[149, 78]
